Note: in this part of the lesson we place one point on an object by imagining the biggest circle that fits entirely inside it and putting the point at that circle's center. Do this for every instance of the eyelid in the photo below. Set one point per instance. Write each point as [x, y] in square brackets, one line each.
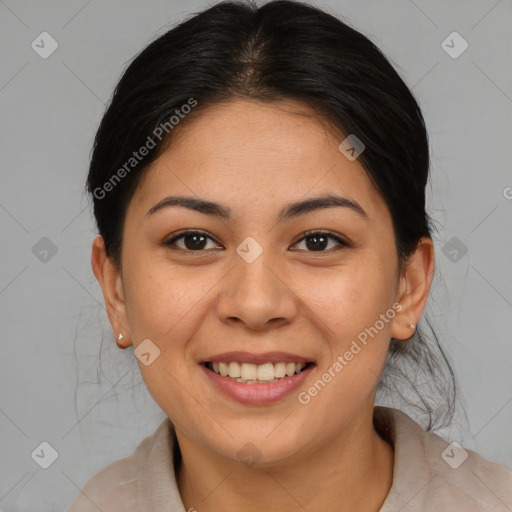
[342, 241]
[170, 241]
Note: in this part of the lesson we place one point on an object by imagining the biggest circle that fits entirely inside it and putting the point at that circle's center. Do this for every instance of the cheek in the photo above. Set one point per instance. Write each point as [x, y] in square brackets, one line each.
[354, 308]
[349, 298]
[162, 301]
[167, 307]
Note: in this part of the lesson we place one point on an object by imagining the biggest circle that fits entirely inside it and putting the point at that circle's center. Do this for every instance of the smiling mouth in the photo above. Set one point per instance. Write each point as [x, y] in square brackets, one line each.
[248, 373]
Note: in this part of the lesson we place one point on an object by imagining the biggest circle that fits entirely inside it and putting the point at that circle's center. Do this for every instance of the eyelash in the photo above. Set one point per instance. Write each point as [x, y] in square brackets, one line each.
[308, 234]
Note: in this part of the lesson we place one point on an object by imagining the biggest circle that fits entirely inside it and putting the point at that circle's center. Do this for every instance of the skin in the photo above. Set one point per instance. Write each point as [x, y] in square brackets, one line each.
[255, 158]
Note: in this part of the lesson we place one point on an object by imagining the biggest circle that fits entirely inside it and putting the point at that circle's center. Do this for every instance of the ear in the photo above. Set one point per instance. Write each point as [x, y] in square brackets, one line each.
[110, 280]
[413, 289]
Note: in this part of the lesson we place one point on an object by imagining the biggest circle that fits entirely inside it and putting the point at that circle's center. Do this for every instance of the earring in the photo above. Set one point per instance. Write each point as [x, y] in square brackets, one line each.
[120, 337]
[412, 326]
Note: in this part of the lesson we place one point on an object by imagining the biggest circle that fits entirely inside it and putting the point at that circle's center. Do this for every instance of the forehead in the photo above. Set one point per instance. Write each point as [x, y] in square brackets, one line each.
[246, 153]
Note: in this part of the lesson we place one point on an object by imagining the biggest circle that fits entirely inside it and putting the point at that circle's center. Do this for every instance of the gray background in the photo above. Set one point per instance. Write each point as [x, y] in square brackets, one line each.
[52, 319]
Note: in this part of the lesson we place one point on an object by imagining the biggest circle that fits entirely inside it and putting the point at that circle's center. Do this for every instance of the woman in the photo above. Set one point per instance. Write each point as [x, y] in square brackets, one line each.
[259, 188]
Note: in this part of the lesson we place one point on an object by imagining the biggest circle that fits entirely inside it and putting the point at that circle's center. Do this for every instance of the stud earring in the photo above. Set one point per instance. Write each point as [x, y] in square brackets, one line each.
[412, 326]
[120, 337]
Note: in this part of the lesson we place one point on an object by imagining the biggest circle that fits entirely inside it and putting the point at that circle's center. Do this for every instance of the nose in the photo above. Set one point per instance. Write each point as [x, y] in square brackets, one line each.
[256, 295]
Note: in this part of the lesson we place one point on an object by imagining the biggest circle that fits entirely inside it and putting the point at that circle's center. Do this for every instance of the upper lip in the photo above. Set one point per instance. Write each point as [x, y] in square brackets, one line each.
[251, 358]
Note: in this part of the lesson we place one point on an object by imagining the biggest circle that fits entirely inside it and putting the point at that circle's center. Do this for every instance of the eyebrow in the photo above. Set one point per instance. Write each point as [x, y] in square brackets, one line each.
[289, 211]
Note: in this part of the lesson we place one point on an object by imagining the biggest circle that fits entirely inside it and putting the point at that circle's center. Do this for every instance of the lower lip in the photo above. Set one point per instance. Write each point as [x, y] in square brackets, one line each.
[257, 394]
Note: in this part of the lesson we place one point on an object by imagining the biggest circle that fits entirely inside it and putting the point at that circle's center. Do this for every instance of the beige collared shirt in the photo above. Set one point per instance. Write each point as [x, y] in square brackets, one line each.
[429, 474]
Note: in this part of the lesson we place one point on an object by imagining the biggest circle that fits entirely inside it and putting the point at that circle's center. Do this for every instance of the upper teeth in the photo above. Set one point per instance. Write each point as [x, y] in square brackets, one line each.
[248, 372]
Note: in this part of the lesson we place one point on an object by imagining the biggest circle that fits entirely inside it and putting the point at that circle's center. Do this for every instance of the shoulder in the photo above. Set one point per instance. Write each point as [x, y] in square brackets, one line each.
[117, 487]
[464, 477]
[113, 488]
[431, 473]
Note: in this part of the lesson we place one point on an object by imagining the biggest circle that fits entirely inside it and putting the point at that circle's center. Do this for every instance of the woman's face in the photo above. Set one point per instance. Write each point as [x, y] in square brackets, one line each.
[253, 289]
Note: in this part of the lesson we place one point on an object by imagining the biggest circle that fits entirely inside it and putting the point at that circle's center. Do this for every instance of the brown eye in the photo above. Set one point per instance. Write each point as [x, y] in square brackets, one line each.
[318, 241]
[191, 241]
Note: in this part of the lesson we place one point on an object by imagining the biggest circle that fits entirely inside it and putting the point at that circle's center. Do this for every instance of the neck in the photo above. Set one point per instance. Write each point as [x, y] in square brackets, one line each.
[353, 471]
